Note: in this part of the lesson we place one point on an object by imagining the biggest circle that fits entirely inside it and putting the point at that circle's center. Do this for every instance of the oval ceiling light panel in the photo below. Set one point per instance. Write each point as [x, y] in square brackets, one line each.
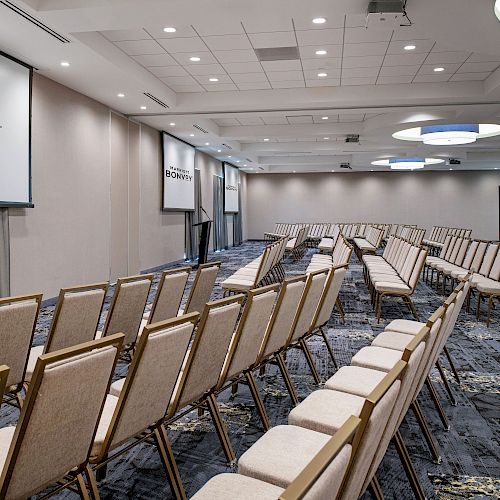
[497, 9]
[407, 163]
[448, 135]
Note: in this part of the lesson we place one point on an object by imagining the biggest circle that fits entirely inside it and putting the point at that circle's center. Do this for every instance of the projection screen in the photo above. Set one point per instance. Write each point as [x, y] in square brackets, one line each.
[231, 187]
[15, 133]
[178, 174]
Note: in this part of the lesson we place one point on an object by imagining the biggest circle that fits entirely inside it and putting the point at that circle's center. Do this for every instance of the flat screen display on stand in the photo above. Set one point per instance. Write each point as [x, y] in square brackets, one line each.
[15, 133]
[178, 174]
[231, 189]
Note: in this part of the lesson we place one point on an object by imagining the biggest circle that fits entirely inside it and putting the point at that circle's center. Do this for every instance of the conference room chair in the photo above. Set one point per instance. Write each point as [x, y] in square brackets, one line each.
[296, 245]
[328, 242]
[456, 259]
[319, 479]
[136, 406]
[489, 287]
[369, 242]
[202, 287]
[51, 442]
[18, 317]
[75, 321]
[127, 308]
[4, 374]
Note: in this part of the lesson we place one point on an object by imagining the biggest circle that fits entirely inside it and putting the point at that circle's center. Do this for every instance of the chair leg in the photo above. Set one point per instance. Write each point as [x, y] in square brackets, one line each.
[478, 310]
[94, 490]
[412, 308]
[408, 466]
[329, 347]
[379, 299]
[452, 364]
[168, 460]
[429, 439]
[446, 383]
[375, 489]
[340, 307]
[437, 404]
[220, 428]
[310, 361]
[258, 401]
[286, 377]
[82, 488]
[490, 305]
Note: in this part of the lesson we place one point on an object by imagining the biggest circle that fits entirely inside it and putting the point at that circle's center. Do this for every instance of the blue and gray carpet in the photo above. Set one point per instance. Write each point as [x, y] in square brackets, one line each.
[470, 468]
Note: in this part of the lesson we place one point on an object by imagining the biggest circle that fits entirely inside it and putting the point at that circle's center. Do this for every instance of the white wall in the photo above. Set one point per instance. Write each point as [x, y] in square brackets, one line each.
[459, 199]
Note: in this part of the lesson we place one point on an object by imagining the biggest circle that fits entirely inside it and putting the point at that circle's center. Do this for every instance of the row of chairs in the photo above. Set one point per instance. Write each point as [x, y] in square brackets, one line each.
[369, 243]
[327, 243]
[282, 229]
[79, 309]
[194, 356]
[337, 436]
[267, 268]
[460, 256]
[438, 236]
[394, 273]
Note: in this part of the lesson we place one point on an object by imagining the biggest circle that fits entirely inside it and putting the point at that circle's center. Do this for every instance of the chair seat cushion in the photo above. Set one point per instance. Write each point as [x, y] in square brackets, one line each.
[355, 380]
[35, 353]
[228, 486]
[325, 410]
[104, 422]
[393, 340]
[477, 278]
[459, 273]
[386, 286]
[489, 286]
[116, 387]
[6, 435]
[376, 358]
[238, 284]
[290, 245]
[405, 326]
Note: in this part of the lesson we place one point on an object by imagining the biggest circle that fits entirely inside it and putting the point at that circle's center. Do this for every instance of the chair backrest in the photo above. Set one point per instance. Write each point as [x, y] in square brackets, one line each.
[169, 294]
[478, 256]
[494, 273]
[76, 316]
[18, 317]
[446, 245]
[202, 287]
[282, 318]
[489, 257]
[151, 379]
[322, 477]
[246, 342]
[208, 350]
[419, 264]
[461, 252]
[4, 373]
[59, 417]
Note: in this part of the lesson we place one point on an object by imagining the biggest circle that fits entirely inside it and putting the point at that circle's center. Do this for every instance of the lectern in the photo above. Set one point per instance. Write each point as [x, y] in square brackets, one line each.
[204, 240]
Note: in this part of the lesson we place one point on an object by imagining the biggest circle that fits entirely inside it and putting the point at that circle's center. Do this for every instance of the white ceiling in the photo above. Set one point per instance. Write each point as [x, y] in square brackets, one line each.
[373, 86]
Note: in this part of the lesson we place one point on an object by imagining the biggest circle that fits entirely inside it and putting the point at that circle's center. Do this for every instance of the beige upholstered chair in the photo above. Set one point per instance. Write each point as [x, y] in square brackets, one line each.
[316, 476]
[127, 308]
[18, 316]
[137, 405]
[489, 287]
[4, 373]
[202, 287]
[75, 320]
[53, 437]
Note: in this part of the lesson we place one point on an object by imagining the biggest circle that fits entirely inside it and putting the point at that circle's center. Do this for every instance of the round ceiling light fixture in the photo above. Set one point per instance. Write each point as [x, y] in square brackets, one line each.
[407, 163]
[169, 29]
[319, 20]
[497, 9]
[448, 135]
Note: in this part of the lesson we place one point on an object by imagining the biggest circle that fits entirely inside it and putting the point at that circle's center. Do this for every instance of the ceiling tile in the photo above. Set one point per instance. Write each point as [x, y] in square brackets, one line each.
[223, 27]
[163, 71]
[365, 49]
[263, 24]
[139, 47]
[286, 84]
[363, 35]
[446, 57]
[345, 118]
[320, 37]
[325, 82]
[313, 74]
[404, 59]
[181, 32]
[281, 65]
[245, 67]
[385, 80]
[428, 69]
[442, 47]
[359, 72]
[275, 39]
[367, 80]
[282, 76]
[464, 77]
[399, 70]
[483, 57]
[122, 35]
[275, 120]
[187, 88]
[227, 42]
[226, 122]
[156, 60]
[362, 62]
[204, 79]
[430, 78]
[421, 46]
[355, 20]
[205, 69]
[222, 87]
[235, 56]
[179, 80]
[249, 77]
[299, 119]
[408, 33]
[250, 120]
[176, 45]
[183, 58]
[309, 51]
[478, 67]
[332, 118]
[322, 63]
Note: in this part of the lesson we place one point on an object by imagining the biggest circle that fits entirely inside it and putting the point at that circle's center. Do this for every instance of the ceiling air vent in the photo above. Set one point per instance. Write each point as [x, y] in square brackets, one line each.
[34, 21]
[352, 138]
[277, 54]
[346, 165]
[200, 129]
[155, 99]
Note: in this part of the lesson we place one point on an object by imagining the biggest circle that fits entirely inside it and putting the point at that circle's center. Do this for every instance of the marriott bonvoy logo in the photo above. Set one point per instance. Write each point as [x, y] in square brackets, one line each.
[178, 173]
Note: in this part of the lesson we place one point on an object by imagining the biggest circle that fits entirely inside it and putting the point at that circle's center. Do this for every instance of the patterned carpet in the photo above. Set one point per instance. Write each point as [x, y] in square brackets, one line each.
[470, 468]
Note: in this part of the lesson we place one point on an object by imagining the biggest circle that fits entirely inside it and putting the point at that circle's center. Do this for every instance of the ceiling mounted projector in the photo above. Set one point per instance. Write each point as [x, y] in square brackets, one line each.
[449, 135]
[387, 14]
[407, 163]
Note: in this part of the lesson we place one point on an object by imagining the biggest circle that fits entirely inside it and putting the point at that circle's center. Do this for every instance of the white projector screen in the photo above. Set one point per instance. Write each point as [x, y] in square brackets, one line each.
[15, 133]
[231, 187]
[178, 174]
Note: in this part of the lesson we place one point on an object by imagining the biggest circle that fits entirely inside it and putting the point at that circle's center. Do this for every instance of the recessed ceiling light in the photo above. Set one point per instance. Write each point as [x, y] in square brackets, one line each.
[194, 59]
[172, 124]
[319, 20]
[294, 171]
[410, 47]
[451, 169]
[322, 74]
[121, 95]
[191, 135]
[438, 69]
[169, 29]
[333, 170]
[237, 161]
[207, 144]
[65, 64]
[324, 117]
[229, 156]
[245, 165]
[213, 79]
[266, 139]
[219, 150]
[143, 107]
[371, 170]
[326, 138]
[321, 52]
